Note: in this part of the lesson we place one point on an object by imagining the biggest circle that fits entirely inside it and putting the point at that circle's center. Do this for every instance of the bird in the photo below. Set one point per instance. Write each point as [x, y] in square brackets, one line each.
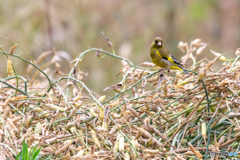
[162, 57]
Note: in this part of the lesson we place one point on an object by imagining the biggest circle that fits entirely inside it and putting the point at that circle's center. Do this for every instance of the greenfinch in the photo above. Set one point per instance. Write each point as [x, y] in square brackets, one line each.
[162, 57]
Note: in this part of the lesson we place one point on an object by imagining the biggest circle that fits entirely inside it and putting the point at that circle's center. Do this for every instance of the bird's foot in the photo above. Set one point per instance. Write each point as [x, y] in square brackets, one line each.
[166, 79]
[160, 77]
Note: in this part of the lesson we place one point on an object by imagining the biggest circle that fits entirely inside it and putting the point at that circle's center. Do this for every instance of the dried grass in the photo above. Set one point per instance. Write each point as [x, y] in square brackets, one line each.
[187, 116]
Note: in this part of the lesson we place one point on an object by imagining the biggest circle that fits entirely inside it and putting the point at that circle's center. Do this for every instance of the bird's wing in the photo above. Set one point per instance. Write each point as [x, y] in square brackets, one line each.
[175, 61]
[166, 55]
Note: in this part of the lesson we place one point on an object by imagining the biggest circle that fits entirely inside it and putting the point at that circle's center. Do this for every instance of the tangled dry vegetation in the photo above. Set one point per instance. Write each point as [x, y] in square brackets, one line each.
[185, 118]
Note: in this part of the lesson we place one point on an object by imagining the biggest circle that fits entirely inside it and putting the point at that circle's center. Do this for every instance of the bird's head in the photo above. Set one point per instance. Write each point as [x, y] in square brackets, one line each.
[157, 43]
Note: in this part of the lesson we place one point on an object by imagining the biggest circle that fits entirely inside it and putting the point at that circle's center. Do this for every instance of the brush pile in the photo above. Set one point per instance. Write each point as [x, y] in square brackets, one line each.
[187, 116]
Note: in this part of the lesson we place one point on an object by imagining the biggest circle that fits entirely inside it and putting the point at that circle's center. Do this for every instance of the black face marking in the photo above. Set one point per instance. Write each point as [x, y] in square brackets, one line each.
[156, 41]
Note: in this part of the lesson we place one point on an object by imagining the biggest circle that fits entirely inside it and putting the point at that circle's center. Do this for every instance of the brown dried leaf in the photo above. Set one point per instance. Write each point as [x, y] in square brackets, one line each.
[115, 86]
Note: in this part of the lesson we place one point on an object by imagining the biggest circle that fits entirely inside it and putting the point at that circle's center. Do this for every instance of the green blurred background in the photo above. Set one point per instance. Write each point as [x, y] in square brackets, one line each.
[74, 26]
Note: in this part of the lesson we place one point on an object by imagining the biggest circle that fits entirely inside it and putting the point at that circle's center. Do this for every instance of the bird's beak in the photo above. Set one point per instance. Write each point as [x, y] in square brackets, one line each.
[159, 43]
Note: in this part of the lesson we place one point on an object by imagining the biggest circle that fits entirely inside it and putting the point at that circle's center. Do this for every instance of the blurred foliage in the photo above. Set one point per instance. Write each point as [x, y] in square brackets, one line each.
[73, 26]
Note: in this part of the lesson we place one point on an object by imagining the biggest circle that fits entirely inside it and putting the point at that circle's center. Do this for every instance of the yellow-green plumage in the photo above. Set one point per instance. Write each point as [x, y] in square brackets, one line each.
[162, 57]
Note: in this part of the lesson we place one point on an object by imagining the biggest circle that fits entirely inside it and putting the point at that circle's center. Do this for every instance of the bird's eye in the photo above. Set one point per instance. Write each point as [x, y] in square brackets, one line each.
[156, 41]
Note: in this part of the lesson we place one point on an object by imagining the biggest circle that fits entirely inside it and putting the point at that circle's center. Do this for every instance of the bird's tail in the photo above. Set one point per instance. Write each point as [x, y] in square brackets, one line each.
[179, 68]
[184, 70]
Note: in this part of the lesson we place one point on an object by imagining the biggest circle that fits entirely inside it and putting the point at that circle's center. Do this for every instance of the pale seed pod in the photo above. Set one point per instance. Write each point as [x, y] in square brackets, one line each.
[138, 135]
[57, 65]
[75, 91]
[6, 111]
[63, 148]
[121, 143]
[124, 63]
[178, 157]
[77, 105]
[132, 150]
[48, 149]
[236, 129]
[165, 91]
[151, 151]
[77, 98]
[197, 153]
[92, 112]
[18, 98]
[222, 58]
[147, 64]
[10, 130]
[221, 140]
[114, 129]
[214, 124]
[72, 130]
[5, 104]
[101, 113]
[101, 99]
[114, 104]
[54, 107]
[237, 52]
[95, 139]
[201, 74]
[200, 49]
[196, 42]
[153, 79]
[185, 58]
[110, 44]
[134, 112]
[204, 131]
[80, 153]
[100, 129]
[10, 123]
[69, 125]
[149, 142]
[43, 55]
[17, 119]
[183, 46]
[148, 135]
[126, 156]
[75, 108]
[118, 90]
[37, 109]
[112, 87]
[9, 67]
[80, 133]
[27, 120]
[49, 99]
[116, 116]
[105, 125]
[188, 153]
[11, 50]
[115, 149]
[186, 81]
